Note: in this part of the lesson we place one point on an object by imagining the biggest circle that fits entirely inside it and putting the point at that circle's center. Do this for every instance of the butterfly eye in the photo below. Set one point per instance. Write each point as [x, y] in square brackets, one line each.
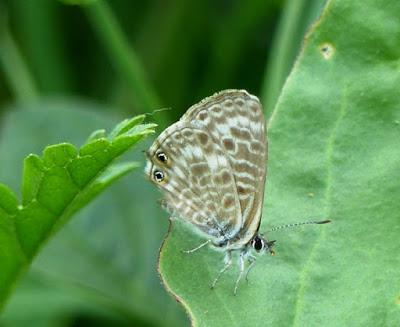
[158, 176]
[162, 157]
[258, 243]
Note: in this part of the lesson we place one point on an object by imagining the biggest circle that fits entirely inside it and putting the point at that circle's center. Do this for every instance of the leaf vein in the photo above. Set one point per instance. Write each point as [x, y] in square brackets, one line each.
[307, 266]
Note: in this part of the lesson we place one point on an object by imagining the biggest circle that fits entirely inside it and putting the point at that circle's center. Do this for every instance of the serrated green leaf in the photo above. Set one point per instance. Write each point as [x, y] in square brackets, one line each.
[54, 187]
[106, 257]
[334, 153]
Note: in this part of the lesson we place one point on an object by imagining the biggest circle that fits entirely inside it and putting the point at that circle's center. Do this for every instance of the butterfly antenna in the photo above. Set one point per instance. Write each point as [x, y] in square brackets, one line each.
[273, 229]
[158, 110]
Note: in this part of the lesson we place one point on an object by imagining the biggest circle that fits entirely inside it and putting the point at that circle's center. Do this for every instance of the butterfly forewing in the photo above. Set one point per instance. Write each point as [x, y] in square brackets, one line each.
[215, 172]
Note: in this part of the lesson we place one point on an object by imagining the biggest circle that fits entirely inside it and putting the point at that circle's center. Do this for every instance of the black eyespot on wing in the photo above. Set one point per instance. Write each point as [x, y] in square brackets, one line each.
[162, 157]
[158, 176]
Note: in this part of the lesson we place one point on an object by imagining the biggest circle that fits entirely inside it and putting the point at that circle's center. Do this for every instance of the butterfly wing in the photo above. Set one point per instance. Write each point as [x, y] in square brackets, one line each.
[235, 120]
[197, 180]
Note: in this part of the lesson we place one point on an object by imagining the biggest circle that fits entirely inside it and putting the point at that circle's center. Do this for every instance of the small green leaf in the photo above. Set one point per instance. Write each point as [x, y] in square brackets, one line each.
[54, 187]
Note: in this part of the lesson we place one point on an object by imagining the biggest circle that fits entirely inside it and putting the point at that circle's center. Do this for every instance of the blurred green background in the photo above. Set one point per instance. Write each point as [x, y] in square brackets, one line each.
[66, 70]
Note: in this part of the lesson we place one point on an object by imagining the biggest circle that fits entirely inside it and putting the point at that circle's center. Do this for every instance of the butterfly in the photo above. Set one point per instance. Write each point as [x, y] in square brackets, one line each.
[211, 169]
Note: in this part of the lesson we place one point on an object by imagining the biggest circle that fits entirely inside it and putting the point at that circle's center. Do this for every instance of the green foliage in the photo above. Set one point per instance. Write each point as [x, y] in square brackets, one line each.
[54, 187]
[334, 153]
[77, 2]
[101, 264]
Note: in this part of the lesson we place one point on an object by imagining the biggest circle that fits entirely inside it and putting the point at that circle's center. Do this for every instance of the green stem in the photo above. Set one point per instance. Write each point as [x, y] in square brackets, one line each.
[122, 56]
[15, 70]
[285, 47]
[40, 31]
[233, 39]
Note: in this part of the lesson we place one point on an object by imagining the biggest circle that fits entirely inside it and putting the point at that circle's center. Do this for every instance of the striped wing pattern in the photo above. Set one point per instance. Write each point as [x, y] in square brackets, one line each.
[215, 172]
[199, 186]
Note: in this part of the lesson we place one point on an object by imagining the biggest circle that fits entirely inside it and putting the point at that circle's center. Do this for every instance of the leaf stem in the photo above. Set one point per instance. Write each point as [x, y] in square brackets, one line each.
[285, 47]
[17, 74]
[122, 56]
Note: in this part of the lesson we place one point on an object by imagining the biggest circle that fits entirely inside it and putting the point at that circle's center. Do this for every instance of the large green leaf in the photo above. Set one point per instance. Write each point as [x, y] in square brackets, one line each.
[334, 153]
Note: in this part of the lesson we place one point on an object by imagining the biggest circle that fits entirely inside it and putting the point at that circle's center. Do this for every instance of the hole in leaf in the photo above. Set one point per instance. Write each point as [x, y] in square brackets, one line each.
[327, 50]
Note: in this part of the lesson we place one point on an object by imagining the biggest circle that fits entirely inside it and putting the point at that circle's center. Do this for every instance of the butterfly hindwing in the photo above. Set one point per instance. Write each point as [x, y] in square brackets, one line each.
[198, 185]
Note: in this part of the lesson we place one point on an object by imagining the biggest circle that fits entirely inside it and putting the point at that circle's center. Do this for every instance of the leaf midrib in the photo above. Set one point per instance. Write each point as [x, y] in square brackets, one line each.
[328, 193]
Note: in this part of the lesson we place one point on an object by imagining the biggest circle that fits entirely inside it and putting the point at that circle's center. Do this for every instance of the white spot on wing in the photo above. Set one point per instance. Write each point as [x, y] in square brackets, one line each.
[213, 162]
[197, 152]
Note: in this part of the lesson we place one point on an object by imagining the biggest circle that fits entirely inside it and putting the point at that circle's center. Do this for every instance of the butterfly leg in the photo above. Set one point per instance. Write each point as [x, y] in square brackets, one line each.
[197, 247]
[241, 266]
[252, 260]
[228, 263]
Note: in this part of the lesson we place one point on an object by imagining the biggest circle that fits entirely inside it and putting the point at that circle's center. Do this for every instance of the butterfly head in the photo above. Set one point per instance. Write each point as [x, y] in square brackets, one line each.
[260, 244]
